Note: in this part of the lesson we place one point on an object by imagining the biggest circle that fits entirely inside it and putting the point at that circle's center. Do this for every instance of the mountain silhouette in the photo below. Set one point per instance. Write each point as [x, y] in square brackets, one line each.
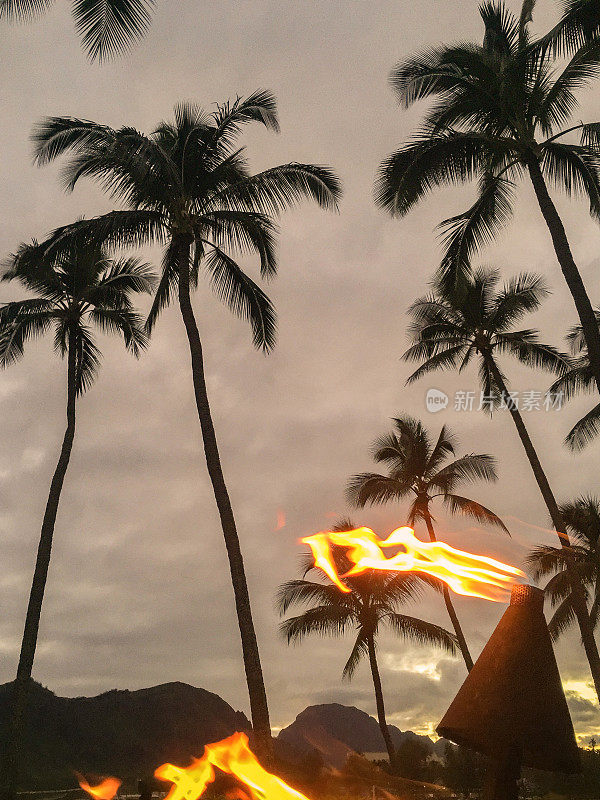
[122, 733]
[334, 731]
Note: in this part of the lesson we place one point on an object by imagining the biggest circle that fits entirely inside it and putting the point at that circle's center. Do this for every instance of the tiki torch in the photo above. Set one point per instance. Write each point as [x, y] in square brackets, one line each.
[512, 706]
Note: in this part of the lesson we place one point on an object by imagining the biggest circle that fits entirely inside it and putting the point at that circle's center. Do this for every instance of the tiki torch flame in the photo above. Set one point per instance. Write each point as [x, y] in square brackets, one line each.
[105, 790]
[233, 756]
[465, 573]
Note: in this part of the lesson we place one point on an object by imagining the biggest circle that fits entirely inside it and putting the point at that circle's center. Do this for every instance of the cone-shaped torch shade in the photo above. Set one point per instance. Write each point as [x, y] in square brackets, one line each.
[512, 699]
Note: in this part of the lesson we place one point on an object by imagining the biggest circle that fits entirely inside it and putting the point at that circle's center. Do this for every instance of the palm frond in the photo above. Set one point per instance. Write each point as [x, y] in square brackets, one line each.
[359, 650]
[244, 231]
[561, 102]
[470, 508]
[323, 620]
[260, 107]
[54, 136]
[21, 321]
[520, 295]
[575, 170]
[299, 591]
[469, 468]
[243, 296]
[579, 24]
[118, 320]
[532, 353]
[418, 630]
[166, 286]
[431, 161]
[445, 359]
[87, 359]
[371, 488]
[276, 189]
[562, 619]
[123, 277]
[108, 27]
[23, 10]
[585, 430]
[467, 233]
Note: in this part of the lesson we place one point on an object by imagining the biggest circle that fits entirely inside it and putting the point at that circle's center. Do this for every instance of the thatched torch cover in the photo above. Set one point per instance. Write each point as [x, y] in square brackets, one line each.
[512, 705]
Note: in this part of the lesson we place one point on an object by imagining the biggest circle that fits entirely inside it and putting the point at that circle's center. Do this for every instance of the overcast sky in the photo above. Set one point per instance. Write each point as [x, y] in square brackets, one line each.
[139, 591]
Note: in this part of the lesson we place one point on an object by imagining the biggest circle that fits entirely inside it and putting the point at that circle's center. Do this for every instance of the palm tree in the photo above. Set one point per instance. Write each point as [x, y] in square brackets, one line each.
[450, 329]
[373, 602]
[579, 563]
[578, 379]
[187, 185]
[418, 468]
[501, 113]
[76, 289]
[106, 27]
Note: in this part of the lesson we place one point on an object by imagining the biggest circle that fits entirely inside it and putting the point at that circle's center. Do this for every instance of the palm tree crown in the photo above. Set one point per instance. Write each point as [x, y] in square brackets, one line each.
[78, 289]
[579, 379]
[499, 106]
[106, 27]
[372, 603]
[448, 330]
[189, 181]
[418, 469]
[580, 562]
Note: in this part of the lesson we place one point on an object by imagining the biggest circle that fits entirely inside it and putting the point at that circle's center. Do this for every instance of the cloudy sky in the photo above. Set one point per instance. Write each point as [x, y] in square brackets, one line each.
[138, 591]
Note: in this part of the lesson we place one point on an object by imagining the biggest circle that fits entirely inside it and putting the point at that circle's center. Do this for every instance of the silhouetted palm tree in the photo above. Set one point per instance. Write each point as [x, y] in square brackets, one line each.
[419, 469]
[500, 113]
[188, 185]
[372, 604]
[451, 329]
[578, 379]
[76, 289]
[580, 562]
[106, 27]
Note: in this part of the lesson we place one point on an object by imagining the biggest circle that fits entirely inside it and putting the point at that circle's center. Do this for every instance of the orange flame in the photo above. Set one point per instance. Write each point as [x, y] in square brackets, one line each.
[105, 790]
[233, 756]
[465, 573]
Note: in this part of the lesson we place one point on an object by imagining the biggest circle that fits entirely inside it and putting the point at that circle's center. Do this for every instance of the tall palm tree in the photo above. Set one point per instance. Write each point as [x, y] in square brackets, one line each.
[187, 185]
[419, 469]
[501, 113]
[578, 379]
[106, 27]
[77, 289]
[373, 603]
[452, 329]
[580, 562]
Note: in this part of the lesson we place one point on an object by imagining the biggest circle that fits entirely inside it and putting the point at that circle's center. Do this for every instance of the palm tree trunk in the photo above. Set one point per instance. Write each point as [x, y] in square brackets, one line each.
[254, 676]
[569, 268]
[385, 731]
[462, 642]
[579, 601]
[11, 758]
